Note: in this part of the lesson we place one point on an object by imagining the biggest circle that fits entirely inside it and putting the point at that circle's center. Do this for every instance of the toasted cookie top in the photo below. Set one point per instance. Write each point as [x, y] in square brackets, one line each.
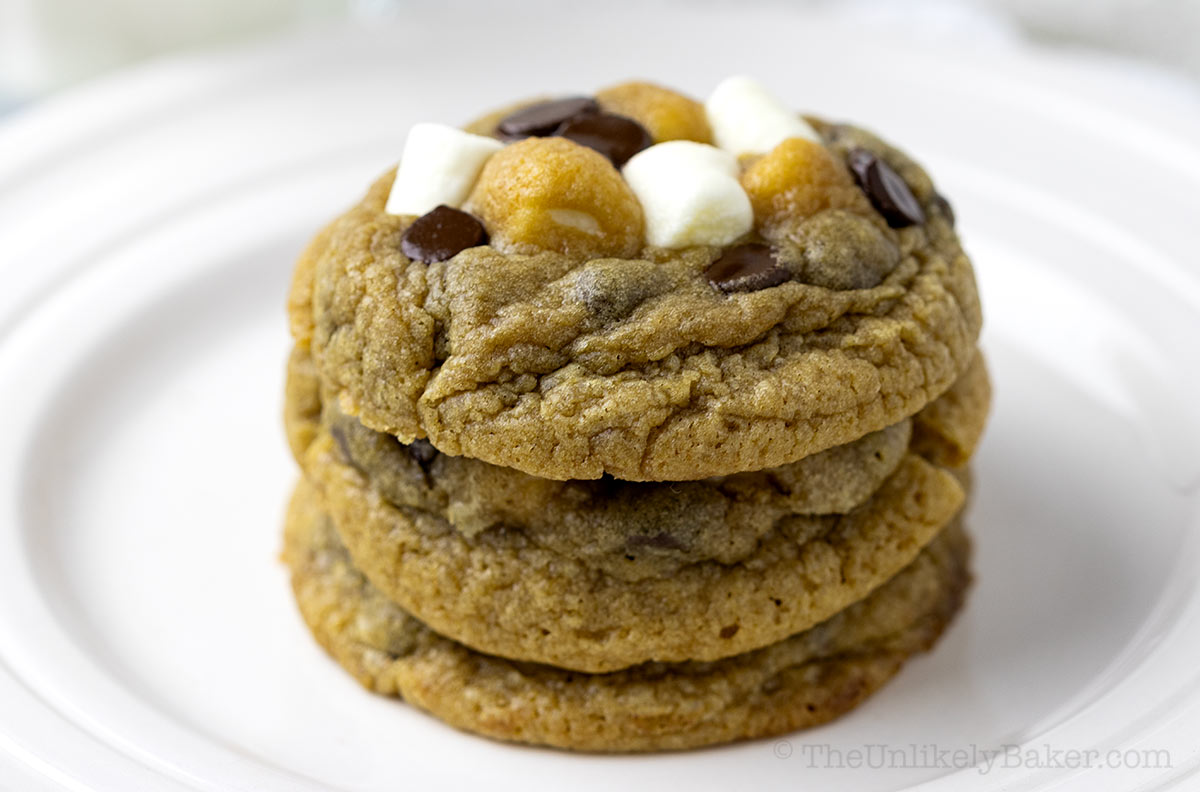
[601, 290]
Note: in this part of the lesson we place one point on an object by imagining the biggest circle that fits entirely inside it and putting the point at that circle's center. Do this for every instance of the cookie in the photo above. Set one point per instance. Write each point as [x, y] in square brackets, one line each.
[302, 402]
[801, 681]
[627, 529]
[949, 429]
[568, 347]
[421, 521]
[503, 593]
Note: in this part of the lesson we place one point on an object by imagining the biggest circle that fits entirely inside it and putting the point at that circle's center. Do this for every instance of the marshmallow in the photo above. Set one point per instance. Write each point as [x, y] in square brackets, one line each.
[690, 194]
[439, 166]
[746, 119]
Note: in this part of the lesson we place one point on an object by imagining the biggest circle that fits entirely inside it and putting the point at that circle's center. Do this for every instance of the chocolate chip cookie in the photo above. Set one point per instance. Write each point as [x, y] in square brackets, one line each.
[569, 347]
[601, 575]
[801, 681]
[633, 423]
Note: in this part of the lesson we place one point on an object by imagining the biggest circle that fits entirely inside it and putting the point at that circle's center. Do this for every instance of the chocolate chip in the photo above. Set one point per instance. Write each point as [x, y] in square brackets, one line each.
[746, 268]
[661, 540]
[343, 444]
[888, 193]
[944, 207]
[423, 452]
[843, 250]
[614, 136]
[442, 234]
[729, 631]
[543, 118]
[612, 289]
[859, 160]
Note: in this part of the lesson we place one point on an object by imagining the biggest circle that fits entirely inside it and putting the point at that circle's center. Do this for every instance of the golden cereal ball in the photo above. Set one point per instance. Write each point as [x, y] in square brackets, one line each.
[553, 194]
[797, 179]
[665, 114]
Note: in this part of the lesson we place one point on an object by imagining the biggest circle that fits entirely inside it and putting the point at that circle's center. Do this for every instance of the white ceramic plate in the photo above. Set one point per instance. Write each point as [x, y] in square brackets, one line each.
[147, 228]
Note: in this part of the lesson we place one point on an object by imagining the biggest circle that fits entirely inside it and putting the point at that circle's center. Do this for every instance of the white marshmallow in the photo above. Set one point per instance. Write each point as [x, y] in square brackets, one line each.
[690, 194]
[746, 119]
[439, 166]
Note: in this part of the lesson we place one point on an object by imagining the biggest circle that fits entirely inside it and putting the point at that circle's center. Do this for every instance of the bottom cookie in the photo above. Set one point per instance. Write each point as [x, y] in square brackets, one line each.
[802, 681]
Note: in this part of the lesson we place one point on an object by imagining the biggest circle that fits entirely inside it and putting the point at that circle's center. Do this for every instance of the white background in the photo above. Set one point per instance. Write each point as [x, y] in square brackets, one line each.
[46, 44]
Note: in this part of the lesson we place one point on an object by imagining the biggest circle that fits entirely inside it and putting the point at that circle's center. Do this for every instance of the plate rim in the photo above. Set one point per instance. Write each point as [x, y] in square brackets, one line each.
[30, 123]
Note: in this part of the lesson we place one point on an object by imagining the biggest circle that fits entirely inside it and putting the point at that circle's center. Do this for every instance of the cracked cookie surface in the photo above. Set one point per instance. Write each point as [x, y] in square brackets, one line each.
[573, 368]
[547, 593]
[634, 530]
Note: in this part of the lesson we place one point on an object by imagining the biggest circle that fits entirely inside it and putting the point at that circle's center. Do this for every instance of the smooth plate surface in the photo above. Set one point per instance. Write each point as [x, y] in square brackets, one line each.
[147, 635]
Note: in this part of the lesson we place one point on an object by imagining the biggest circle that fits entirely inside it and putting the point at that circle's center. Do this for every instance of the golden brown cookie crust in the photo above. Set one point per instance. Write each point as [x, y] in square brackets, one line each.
[502, 594]
[802, 681]
[302, 403]
[948, 431]
[629, 530]
[638, 368]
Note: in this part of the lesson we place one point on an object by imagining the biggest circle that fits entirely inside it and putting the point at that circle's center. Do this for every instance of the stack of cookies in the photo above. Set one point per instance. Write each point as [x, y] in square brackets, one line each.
[630, 422]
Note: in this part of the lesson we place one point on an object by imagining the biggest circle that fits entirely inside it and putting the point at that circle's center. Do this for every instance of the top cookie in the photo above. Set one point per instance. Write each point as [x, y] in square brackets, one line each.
[703, 311]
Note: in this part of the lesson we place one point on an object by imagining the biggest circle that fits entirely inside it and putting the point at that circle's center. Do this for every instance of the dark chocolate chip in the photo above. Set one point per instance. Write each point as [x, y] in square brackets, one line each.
[859, 160]
[746, 268]
[661, 540]
[442, 234]
[614, 136]
[944, 207]
[608, 301]
[729, 631]
[888, 193]
[612, 289]
[543, 118]
[843, 250]
[339, 437]
[423, 452]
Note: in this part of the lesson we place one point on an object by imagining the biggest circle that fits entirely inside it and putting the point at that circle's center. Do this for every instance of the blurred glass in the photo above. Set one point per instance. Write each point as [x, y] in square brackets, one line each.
[46, 44]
